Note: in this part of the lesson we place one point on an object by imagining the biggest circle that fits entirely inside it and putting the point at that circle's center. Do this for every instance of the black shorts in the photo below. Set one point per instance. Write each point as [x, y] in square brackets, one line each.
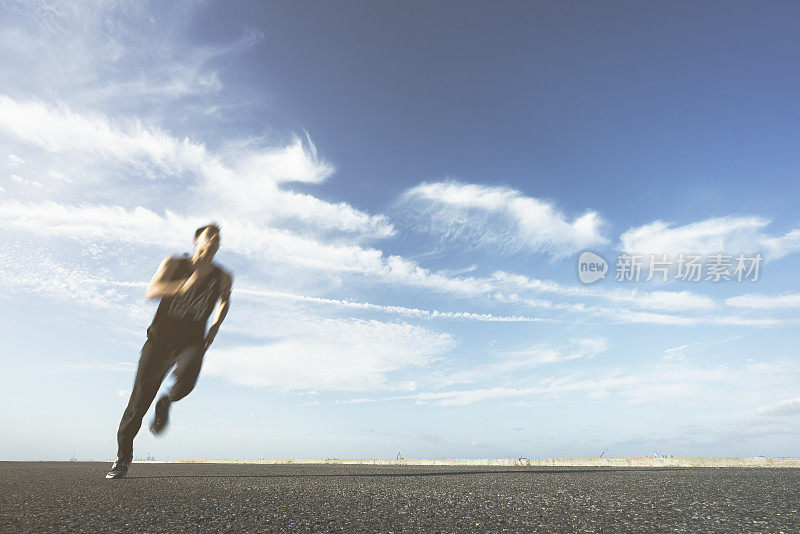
[176, 335]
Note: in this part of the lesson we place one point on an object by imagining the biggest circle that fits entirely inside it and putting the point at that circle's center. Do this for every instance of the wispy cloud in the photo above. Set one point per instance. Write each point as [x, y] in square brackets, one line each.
[111, 52]
[657, 300]
[780, 246]
[25, 270]
[765, 302]
[512, 362]
[276, 250]
[501, 218]
[115, 224]
[576, 349]
[682, 352]
[100, 223]
[327, 354]
[59, 129]
[400, 310]
[623, 316]
[730, 235]
[253, 192]
[360, 400]
[784, 407]
[681, 383]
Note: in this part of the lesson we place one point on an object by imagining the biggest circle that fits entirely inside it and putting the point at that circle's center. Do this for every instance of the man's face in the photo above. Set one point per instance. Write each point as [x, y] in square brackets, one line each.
[207, 243]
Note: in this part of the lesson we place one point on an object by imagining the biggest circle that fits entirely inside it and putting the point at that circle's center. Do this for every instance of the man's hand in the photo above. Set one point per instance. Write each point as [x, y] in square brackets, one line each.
[210, 335]
[188, 283]
[201, 272]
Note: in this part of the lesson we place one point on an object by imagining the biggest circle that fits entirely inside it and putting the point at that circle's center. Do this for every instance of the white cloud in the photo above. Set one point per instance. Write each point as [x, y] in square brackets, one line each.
[581, 348]
[784, 407]
[15, 161]
[765, 302]
[292, 163]
[780, 246]
[661, 300]
[360, 400]
[264, 294]
[180, 72]
[464, 397]
[731, 235]
[60, 130]
[712, 235]
[676, 353]
[273, 247]
[110, 52]
[541, 354]
[500, 217]
[514, 362]
[331, 355]
[252, 237]
[682, 352]
[657, 300]
[623, 315]
[115, 224]
[253, 195]
[619, 303]
[97, 223]
[26, 271]
[673, 383]
[31, 265]
[652, 300]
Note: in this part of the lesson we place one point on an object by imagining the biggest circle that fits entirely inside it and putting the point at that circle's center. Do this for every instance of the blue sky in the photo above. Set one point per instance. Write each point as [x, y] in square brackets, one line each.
[404, 191]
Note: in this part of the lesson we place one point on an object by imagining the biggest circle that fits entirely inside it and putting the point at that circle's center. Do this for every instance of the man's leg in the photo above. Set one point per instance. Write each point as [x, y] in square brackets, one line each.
[189, 359]
[153, 366]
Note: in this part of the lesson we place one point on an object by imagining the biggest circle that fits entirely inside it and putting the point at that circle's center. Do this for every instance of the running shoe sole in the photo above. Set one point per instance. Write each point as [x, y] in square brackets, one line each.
[162, 416]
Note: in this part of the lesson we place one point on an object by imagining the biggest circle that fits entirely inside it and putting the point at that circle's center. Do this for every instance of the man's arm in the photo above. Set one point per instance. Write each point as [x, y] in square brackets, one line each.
[223, 304]
[161, 285]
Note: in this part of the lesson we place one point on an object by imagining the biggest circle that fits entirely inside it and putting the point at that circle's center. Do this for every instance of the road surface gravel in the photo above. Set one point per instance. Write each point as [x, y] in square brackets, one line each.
[186, 497]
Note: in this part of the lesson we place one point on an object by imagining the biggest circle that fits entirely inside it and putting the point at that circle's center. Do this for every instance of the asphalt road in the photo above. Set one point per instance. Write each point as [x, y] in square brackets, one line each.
[75, 497]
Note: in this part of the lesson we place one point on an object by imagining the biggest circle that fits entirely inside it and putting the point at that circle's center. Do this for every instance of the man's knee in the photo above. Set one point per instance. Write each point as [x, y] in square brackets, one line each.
[184, 384]
[187, 371]
[177, 393]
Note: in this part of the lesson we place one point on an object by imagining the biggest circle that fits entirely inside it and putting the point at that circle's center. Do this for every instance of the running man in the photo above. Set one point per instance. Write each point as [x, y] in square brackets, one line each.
[189, 288]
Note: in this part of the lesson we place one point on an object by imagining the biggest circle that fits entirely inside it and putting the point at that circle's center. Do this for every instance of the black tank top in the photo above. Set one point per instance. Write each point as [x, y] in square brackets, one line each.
[184, 316]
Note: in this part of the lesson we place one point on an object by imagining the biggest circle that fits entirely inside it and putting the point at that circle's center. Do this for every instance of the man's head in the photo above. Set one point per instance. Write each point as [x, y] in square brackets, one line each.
[206, 241]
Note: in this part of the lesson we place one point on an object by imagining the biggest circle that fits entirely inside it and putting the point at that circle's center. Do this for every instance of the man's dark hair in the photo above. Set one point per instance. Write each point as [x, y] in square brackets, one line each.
[200, 230]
